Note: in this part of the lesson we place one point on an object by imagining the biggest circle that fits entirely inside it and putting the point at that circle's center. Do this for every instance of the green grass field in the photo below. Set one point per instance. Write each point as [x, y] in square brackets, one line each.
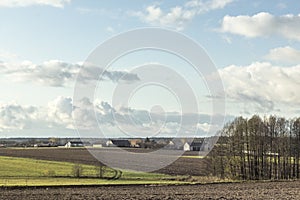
[31, 172]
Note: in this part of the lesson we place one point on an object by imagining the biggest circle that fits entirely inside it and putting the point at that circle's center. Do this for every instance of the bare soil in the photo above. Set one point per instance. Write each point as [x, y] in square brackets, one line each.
[248, 190]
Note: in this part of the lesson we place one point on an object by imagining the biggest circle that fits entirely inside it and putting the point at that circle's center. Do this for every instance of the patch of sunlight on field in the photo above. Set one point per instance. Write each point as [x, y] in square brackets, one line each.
[192, 156]
[25, 167]
[31, 172]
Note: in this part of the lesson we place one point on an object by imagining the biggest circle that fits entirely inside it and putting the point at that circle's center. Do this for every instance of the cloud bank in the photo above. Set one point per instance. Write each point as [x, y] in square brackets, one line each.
[61, 113]
[25, 3]
[57, 73]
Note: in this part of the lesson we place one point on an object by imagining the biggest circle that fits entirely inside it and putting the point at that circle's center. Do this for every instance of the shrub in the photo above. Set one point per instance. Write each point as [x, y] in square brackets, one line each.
[77, 170]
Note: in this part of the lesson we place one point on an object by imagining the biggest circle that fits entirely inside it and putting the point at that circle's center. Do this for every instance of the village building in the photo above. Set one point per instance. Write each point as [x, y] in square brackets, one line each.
[136, 143]
[74, 144]
[196, 145]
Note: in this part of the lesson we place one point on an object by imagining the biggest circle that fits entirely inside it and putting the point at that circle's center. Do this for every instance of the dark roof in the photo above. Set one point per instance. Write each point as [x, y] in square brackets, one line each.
[196, 144]
[121, 143]
[76, 142]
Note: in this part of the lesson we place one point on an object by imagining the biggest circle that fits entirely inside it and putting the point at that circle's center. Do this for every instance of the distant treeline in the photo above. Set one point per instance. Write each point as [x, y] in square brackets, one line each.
[256, 149]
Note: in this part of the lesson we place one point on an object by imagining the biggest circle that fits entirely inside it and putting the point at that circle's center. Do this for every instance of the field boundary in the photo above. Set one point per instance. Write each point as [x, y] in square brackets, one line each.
[141, 184]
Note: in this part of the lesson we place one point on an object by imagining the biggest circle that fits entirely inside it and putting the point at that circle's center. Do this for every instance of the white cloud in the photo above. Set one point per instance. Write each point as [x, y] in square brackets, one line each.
[206, 127]
[263, 24]
[84, 114]
[57, 73]
[285, 54]
[24, 3]
[206, 6]
[262, 86]
[178, 16]
[17, 117]
[59, 111]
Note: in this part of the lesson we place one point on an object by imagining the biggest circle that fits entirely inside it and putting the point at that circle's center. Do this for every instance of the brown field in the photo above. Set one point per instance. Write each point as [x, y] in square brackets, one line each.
[182, 166]
[249, 190]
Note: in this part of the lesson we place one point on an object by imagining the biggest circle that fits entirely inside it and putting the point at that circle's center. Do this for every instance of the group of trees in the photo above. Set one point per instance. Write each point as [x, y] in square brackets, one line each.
[256, 148]
[101, 171]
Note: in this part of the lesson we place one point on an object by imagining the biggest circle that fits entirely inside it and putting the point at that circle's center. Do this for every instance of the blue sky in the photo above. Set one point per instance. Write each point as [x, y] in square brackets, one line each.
[253, 44]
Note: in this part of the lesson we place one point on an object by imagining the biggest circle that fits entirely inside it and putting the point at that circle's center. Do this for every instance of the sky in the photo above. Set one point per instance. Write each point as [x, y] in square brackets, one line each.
[45, 46]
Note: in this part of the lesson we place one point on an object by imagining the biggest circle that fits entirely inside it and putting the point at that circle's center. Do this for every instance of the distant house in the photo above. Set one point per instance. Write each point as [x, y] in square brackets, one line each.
[169, 144]
[97, 145]
[186, 146]
[176, 144]
[109, 143]
[196, 145]
[121, 143]
[135, 143]
[118, 143]
[74, 144]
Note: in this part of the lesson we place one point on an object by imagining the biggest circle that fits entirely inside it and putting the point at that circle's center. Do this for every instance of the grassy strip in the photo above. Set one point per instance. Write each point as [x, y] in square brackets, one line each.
[78, 181]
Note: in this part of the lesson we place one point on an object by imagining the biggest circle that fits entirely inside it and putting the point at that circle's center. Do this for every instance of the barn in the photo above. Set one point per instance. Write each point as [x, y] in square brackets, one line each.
[121, 143]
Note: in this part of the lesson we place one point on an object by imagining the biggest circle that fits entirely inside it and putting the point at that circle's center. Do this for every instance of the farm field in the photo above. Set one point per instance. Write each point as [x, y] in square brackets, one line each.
[32, 172]
[189, 164]
[249, 190]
